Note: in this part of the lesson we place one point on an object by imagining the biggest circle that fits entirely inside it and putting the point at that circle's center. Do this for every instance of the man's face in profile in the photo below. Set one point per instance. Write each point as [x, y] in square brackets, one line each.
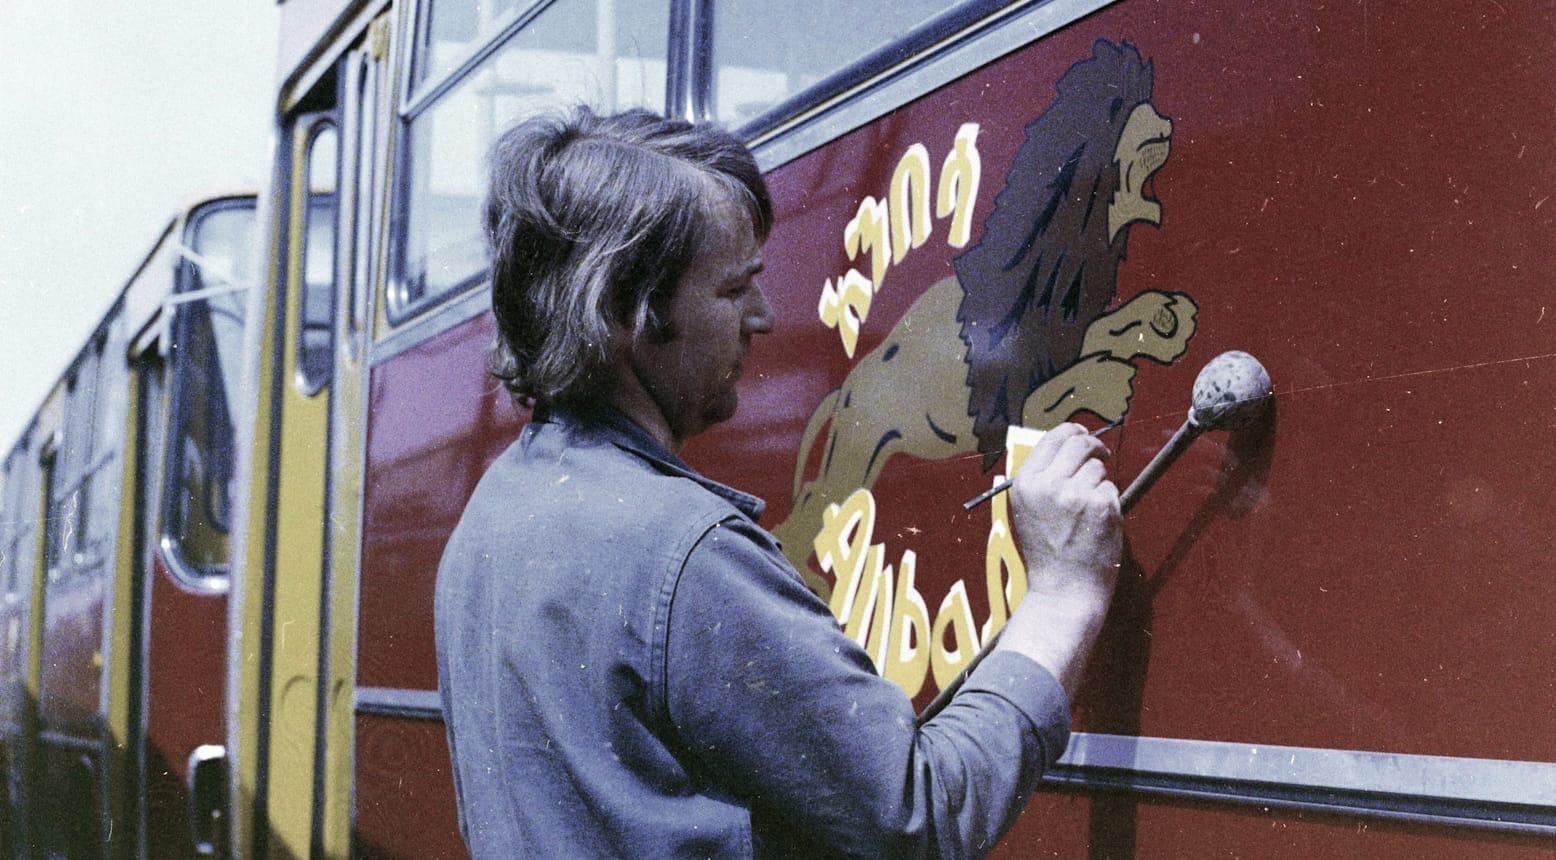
[716, 309]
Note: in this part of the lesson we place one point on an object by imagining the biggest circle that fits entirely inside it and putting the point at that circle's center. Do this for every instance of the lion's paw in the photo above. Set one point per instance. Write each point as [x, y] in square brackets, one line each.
[1099, 384]
[1153, 325]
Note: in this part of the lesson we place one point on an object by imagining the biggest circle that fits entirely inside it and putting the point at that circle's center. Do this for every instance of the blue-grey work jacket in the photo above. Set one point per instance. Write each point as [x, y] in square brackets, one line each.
[630, 668]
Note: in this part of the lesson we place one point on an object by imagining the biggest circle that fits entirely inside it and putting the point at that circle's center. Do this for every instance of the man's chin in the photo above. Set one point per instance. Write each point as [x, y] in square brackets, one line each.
[723, 410]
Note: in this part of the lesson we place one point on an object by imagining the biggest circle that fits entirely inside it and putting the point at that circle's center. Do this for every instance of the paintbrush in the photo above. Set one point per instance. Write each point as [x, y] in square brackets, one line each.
[1004, 485]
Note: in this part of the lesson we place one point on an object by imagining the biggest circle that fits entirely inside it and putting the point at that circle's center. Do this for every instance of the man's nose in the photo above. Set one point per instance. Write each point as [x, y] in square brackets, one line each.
[759, 317]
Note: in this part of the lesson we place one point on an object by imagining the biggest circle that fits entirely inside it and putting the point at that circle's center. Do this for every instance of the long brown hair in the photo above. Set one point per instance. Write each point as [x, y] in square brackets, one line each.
[592, 220]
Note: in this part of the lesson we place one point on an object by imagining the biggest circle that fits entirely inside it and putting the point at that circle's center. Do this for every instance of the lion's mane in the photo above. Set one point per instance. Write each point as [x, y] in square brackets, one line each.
[1045, 268]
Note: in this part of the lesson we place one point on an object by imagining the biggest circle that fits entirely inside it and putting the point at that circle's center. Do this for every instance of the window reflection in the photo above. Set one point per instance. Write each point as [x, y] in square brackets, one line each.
[316, 338]
[765, 52]
[11, 497]
[456, 27]
[207, 362]
[609, 54]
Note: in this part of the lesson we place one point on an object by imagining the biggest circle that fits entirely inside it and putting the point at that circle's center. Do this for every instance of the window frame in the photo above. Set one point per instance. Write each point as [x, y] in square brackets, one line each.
[690, 76]
[905, 51]
[316, 126]
[175, 387]
[415, 97]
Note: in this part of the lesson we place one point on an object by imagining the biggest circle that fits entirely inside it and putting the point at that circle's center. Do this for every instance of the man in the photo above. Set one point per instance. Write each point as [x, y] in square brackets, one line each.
[628, 665]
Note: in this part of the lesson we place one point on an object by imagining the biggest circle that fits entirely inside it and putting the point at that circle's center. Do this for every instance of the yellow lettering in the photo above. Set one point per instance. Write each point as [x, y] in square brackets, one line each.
[955, 615]
[870, 620]
[845, 307]
[869, 231]
[907, 654]
[959, 179]
[910, 223]
[1004, 571]
[841, 547]
[889, 228]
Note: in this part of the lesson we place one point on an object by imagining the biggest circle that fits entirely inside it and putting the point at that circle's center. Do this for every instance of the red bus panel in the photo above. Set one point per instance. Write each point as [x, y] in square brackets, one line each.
[1355, 196]
[1365, 570]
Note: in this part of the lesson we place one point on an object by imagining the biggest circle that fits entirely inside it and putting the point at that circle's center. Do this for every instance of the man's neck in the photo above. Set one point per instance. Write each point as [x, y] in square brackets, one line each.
[633, 400]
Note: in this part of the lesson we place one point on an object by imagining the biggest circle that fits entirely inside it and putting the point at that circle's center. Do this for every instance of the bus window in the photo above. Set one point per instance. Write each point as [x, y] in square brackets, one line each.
[364, 83]
[108, 423]
[315, 342]
[607, 54]
[456, 27]
[54, 533]
[20, 521]
[11, 531]
[764, 53]
[70, 470]
[207, 360]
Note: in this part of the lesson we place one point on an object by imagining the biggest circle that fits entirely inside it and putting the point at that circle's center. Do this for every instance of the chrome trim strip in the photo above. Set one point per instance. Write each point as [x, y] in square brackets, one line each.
[392, 702]
[71, 742]
[1508, 795]
[977, 46]
[464, 307]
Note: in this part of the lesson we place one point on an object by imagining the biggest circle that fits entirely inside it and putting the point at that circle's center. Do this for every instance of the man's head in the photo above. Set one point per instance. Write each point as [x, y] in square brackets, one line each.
[593, 222]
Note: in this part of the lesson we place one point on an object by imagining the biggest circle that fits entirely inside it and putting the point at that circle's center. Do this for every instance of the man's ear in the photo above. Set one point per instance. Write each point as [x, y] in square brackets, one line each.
[656, 326]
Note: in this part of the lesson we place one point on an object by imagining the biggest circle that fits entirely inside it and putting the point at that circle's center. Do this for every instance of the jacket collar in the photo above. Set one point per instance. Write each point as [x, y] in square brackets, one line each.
[609, 424]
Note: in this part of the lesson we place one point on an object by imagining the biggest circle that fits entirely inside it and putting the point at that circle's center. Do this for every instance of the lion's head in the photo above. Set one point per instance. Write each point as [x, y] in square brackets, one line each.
[1047, 263]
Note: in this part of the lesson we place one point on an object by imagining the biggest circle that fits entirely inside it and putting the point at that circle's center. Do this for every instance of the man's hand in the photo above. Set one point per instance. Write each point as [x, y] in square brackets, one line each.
[1067, 516]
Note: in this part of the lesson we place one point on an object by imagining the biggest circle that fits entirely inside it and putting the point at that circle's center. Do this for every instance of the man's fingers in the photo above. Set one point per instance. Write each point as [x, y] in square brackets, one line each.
[1091, 473]
[1042, 453]
[1074, 452]
[1110, 490]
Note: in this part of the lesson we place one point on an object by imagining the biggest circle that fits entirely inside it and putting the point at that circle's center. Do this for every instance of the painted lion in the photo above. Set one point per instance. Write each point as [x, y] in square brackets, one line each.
[1021, 334]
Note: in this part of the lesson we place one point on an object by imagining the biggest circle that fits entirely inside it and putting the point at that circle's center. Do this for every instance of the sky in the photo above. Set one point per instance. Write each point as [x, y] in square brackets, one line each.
[113, 114]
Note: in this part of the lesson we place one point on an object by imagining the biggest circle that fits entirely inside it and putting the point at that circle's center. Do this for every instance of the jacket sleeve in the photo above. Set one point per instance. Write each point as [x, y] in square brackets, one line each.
[776, 706]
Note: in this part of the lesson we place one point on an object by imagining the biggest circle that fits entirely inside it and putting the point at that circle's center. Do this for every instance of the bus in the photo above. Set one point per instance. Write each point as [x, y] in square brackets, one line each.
[1333, 629]
[115, 560]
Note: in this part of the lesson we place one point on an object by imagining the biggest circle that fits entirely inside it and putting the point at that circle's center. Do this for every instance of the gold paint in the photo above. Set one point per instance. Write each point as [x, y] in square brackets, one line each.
[1143, 147]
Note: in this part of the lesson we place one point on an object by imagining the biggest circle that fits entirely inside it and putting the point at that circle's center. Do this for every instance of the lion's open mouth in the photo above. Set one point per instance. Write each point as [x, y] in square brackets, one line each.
[1153, 153]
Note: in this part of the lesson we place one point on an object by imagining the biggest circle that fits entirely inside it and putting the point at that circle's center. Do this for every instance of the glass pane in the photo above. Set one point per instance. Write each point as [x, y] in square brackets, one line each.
[316, 339]
[19, 520]
[8, 529]
[53, 516]
[112, 386]
[227, 243]
[609, 54]
[765, 52]
[78, 455]
[456, 27]
[207, 362]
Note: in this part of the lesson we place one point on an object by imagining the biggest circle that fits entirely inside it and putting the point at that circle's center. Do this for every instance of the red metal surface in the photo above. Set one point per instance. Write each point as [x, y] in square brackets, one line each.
[1356, 196]
[405, 790]
[1372, 574]
[1377, 240]
[1062, 826]
[185, 686]
[69, 776]
[436, 420]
